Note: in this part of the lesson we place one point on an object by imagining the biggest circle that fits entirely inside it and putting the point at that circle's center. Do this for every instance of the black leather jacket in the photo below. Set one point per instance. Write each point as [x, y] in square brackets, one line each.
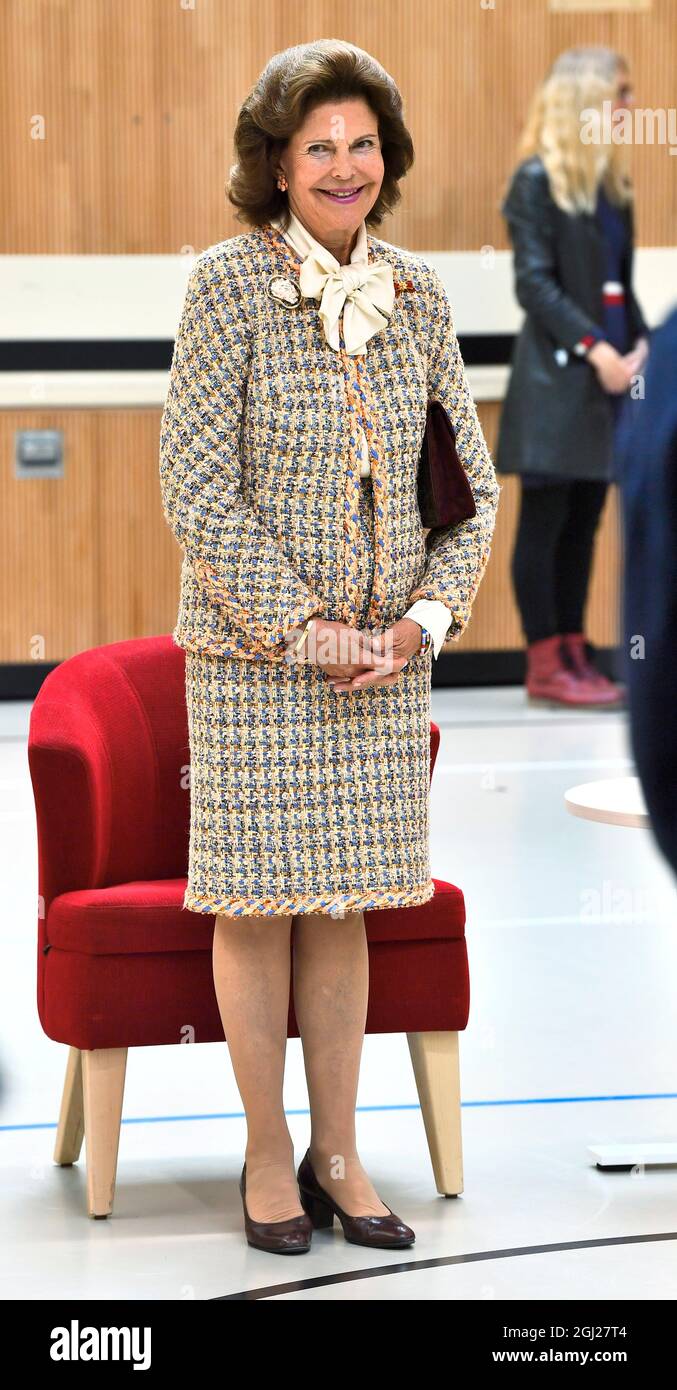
[556, 417]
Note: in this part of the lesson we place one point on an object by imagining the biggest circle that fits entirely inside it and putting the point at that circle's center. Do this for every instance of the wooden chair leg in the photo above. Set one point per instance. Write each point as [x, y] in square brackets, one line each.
[434, 1058]
[71, 1127]
[103, 1085]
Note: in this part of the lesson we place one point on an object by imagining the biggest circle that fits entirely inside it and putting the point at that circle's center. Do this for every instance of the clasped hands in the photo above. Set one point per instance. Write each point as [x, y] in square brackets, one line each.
[616, 370]
[352, 657]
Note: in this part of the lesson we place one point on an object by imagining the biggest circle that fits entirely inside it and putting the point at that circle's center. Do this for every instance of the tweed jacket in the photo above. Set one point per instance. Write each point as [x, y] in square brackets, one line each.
[260, 456]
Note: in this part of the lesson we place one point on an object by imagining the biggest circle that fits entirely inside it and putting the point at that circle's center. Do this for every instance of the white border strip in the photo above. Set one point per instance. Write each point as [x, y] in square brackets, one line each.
[65, 297]
[54, 298]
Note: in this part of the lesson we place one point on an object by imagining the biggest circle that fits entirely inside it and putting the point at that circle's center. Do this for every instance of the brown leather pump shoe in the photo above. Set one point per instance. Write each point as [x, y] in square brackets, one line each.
[385, 1232]
[291, 1237]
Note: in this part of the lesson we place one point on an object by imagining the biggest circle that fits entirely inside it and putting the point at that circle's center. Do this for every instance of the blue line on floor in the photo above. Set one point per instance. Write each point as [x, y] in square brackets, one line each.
[364, 1109]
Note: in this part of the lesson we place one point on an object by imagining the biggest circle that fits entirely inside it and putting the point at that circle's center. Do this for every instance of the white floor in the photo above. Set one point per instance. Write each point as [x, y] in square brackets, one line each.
[572, 1041]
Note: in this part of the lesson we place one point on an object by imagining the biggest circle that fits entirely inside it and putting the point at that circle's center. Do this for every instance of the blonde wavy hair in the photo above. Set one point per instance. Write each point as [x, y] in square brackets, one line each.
[580, 79]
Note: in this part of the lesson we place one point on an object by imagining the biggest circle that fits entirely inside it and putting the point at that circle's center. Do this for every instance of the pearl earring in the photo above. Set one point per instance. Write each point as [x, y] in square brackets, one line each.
[282, 183]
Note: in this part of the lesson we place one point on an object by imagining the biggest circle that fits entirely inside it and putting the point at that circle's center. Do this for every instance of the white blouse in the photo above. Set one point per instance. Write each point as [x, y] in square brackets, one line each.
[428, 613]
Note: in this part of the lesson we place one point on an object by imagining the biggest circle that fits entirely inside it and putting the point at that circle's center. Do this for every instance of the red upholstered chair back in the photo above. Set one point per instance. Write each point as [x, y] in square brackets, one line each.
[109, 760]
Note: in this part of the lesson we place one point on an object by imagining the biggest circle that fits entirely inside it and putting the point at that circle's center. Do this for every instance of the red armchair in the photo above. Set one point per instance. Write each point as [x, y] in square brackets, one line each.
[122, 964]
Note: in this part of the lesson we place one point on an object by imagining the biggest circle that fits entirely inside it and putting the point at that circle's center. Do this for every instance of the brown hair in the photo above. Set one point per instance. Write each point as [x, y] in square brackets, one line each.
[292, 84]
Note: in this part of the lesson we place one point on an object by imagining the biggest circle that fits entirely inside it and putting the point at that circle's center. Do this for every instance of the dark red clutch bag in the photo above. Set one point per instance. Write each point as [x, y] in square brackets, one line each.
[444, 493]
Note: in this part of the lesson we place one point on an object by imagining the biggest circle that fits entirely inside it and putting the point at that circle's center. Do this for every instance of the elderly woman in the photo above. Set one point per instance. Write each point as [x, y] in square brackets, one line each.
[311, 602]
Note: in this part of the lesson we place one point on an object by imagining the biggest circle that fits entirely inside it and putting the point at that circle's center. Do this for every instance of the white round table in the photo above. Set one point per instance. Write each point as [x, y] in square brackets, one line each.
[616, 801]
[619, 801]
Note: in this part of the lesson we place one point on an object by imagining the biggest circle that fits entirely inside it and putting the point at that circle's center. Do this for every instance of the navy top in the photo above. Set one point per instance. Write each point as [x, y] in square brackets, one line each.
[647, 464]
[612, 226]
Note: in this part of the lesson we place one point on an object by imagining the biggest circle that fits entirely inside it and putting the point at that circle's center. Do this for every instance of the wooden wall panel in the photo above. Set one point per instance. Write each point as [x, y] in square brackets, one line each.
[495, 621]
[139, 559]
[49, 561]
[89, 558]
[139, 103]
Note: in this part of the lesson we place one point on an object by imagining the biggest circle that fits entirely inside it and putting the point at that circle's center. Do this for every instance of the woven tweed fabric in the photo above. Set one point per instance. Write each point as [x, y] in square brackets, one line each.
[304, 799]
[301, 795]
[259, 452]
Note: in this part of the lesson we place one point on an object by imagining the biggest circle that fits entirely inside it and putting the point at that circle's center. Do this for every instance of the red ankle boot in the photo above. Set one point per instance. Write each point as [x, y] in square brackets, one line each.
[550, 679]
[578, 661]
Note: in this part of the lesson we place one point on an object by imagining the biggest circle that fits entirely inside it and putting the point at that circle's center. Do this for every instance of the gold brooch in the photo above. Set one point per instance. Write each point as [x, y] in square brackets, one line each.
[285, 290]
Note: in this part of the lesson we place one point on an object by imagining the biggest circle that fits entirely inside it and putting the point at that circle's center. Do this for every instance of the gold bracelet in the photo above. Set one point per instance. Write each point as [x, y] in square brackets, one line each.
[306, 630]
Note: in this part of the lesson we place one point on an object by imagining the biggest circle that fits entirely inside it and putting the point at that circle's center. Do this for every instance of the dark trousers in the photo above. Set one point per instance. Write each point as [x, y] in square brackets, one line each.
[552, 557]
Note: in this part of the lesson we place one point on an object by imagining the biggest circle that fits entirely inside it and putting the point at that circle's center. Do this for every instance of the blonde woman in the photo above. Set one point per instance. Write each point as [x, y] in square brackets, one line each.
[310, 603]
[569, 210]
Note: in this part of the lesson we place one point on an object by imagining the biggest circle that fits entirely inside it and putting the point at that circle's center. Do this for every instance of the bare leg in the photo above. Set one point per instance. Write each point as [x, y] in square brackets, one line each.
[252, 968]
[331, 984]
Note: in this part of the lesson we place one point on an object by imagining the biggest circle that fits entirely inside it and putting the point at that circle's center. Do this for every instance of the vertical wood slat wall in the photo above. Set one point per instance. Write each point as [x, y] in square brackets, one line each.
[137, 105]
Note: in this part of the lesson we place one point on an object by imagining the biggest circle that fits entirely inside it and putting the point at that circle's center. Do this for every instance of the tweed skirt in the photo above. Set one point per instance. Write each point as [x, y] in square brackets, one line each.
[304, 799]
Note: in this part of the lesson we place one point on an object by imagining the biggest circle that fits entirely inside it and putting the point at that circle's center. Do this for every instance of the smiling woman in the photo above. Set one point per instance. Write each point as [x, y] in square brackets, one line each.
[357, 174]
[289, 452]
[292, 125]
[349, 193]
